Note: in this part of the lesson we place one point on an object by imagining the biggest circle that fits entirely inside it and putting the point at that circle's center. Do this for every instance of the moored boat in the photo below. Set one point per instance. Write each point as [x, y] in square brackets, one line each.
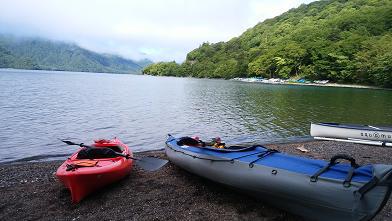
[314, 189]
[352, 132]
[88, 170]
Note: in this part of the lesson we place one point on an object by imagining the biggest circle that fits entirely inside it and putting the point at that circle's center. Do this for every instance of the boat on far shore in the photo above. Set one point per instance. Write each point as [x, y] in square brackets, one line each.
[366, 134]
[302, 82]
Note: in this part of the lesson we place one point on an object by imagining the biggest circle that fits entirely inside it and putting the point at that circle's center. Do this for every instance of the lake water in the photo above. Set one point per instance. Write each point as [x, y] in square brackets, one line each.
[39, 107]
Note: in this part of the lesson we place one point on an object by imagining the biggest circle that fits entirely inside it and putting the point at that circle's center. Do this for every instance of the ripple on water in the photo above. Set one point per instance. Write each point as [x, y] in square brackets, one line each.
[37, 108]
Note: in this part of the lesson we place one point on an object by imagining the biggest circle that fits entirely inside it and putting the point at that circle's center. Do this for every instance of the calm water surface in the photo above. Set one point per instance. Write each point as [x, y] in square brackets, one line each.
[38, 107]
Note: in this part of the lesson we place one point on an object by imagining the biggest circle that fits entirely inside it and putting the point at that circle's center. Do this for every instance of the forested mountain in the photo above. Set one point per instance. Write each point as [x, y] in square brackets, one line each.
[347, 41]
[34, 53]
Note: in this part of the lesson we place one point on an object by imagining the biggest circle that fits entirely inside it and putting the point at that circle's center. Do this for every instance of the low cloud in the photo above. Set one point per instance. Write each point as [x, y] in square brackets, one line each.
[155, 29]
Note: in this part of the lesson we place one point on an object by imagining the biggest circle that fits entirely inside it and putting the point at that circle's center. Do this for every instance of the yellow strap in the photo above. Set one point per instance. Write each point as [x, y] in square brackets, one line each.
[219, 146]
[85, 163]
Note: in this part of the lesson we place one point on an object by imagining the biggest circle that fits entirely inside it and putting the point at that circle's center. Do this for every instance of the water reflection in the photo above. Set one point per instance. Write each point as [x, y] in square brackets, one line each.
[38, 107]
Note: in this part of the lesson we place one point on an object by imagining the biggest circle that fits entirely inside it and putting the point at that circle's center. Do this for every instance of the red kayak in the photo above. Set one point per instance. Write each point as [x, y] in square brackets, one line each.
[82, 174]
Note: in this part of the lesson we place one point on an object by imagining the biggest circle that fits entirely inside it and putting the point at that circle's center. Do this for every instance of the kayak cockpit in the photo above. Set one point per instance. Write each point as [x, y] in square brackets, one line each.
[192, 142]
[115, 148]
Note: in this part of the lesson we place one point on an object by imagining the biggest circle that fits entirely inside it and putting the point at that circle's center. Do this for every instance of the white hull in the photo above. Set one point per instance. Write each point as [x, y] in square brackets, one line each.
[351, 132]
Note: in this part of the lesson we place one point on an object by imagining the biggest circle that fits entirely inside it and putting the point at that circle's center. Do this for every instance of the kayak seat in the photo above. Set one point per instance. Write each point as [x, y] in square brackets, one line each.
[81, 163]
[96, 153]
[116, 148]
[188, 141]
[230, 149]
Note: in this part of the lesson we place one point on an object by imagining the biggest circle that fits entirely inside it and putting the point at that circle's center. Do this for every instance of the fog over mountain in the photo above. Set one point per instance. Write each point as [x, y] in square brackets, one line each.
[154, 29]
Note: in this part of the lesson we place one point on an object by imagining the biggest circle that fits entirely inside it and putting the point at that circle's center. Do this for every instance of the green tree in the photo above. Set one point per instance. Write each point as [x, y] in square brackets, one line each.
[342, 41]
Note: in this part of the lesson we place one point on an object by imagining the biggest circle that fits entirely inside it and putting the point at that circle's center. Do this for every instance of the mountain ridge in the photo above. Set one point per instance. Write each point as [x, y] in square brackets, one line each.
[44, 54]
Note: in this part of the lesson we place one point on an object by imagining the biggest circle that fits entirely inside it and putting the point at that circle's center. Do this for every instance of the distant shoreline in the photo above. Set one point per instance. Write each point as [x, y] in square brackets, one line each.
[336, 85]
[281, 83]
[26, 70]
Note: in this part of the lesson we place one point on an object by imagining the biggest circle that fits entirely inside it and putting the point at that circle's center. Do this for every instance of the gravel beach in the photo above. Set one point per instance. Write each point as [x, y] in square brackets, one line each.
[29, 191]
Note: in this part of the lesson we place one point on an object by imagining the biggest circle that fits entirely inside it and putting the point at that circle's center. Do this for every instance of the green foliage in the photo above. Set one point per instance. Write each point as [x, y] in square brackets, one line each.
[164, 69]
[226, 69]
[337, 40]
[32, 53]
[375, 63]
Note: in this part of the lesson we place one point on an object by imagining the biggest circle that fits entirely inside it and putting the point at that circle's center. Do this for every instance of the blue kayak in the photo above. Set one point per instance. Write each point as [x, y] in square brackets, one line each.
[312, 188]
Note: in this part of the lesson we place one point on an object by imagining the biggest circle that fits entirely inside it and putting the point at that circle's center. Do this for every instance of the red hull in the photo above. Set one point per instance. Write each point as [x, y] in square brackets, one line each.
[85, 180]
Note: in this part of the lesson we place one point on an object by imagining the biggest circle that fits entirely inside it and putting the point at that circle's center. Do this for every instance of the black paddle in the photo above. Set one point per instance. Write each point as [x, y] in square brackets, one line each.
[146, 163]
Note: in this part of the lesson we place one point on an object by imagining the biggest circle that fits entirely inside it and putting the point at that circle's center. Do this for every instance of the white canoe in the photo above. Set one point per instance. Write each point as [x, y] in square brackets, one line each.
[352, 132]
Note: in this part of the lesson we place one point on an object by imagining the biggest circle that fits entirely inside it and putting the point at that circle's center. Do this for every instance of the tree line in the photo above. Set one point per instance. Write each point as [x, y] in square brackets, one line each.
[337, 40]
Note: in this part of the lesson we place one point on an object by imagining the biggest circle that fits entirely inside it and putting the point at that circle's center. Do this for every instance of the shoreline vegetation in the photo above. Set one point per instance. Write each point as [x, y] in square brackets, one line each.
[167, 194]
[344, 42]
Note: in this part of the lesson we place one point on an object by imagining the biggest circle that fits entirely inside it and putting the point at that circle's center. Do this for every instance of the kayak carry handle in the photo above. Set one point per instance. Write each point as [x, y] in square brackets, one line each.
[332, 162]
[344, 157]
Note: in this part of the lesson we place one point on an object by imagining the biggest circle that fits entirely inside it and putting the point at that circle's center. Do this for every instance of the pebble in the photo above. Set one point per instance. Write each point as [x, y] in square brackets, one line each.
[168, 194]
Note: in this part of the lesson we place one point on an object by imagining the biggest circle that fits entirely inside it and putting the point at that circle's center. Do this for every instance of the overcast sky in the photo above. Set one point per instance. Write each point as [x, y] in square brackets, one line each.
[155, 29]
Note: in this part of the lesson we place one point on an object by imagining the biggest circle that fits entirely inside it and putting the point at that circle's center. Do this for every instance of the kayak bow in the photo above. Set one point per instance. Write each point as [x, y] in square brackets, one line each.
[84, 176]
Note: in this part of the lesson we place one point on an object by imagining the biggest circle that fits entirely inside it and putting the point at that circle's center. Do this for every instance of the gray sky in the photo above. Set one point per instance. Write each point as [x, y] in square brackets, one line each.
[155, 29]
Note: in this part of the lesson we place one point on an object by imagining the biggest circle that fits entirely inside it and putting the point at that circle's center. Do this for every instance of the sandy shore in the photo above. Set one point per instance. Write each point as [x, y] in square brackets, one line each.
[29, 191]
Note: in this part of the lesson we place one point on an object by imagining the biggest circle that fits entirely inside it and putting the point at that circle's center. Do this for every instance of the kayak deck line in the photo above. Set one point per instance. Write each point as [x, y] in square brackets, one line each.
[210, 159]
[354, 140]
[280, 161]
[251, 164]
[356, 126]
[374, 127]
